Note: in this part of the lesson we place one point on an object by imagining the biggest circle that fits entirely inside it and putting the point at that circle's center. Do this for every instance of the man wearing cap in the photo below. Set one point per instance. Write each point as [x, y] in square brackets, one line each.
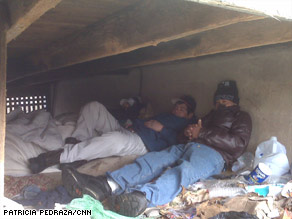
[141, 137]
[156, 178]
[129, 110]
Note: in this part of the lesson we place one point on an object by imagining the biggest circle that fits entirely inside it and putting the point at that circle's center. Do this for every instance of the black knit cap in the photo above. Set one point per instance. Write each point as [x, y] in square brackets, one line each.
[188, 100]
[227, 90]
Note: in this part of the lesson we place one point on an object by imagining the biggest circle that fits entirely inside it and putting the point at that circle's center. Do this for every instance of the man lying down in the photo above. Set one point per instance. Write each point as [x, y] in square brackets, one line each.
[138, 138]
[214, 142]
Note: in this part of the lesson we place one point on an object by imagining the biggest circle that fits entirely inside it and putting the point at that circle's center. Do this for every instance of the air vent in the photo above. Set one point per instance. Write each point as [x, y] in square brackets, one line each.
[27, 103]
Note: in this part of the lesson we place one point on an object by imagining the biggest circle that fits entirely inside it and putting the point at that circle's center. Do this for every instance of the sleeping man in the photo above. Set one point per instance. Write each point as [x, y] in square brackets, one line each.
[142, 136]
[157, 177]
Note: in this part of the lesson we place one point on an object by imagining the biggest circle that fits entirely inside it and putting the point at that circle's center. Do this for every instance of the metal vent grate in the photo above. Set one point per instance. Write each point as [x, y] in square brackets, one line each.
[27, 103]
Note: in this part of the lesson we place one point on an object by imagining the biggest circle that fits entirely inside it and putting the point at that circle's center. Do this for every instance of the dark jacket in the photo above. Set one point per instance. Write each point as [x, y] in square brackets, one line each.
[227, 130]
[156, 141]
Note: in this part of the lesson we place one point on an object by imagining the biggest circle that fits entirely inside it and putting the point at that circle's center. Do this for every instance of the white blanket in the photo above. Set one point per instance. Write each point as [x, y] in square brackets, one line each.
[28, 135]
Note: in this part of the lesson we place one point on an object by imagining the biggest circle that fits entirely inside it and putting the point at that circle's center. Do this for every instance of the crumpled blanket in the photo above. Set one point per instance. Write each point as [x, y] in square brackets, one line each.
[28, 135]
[37, 127]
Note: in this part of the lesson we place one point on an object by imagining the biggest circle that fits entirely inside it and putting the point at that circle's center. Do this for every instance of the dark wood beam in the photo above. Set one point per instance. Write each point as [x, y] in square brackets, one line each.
[145, 24]
[3, 58]
[230, 38]
[24, 13]
[4, 16]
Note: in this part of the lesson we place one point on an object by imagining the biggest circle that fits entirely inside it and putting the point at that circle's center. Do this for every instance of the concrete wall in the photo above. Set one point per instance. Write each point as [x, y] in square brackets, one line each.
[264, 77]
[72, 94]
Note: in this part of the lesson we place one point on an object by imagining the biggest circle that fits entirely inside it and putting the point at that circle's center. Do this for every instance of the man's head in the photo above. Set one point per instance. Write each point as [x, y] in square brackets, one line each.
[184, 106]
[226, 94]
[127, 103]
[132, 101]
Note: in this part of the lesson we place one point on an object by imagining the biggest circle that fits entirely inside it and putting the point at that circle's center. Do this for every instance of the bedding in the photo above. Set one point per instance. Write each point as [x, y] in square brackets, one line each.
[29, 134]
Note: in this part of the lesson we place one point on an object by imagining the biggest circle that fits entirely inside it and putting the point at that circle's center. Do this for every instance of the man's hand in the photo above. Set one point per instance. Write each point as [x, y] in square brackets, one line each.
[154, 124]
[193, 130]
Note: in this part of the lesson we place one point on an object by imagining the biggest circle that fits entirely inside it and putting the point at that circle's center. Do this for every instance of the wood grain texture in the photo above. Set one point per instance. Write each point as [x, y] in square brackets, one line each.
[146, 24]
[3, 60]
[226, 39]
[24, 13]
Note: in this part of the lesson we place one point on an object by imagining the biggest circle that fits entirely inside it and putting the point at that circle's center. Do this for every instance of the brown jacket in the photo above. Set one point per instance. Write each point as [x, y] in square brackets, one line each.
[227, 130]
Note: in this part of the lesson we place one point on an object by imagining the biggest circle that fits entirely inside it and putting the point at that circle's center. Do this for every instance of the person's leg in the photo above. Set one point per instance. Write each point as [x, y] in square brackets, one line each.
[118, 143]
[146, 168]
[198, 162]
[143, 170]
[44, 160]
[94, 116]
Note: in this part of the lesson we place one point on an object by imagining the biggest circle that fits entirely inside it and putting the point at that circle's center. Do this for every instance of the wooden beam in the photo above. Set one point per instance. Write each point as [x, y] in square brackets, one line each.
[4, 16]
[24, 13]
[226, 39]
[276, 9]
[146, 24]
[3, 58]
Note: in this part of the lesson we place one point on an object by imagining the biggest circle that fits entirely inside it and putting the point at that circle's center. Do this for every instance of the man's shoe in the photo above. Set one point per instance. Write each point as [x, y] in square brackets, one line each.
[128, 204]
[77, 184]
[44, 160]
[72, 140]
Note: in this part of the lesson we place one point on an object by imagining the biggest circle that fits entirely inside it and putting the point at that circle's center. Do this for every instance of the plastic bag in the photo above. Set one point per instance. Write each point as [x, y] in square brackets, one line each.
[244, 161]
[97, 210]
[273, 154]
[226, 192]
[219, 188]
[209, 184]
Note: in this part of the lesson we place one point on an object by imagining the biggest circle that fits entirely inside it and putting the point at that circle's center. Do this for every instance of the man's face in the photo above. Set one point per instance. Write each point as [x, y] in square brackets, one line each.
[126, 105]
[180, 110]
[226, 103]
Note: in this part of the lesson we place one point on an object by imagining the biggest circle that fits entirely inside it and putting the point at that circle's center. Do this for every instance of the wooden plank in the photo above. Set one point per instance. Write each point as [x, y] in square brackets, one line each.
[226, 39]
[3, 60]
[24, 13]
[148, 23]
[274, 8]
[230, 38]
[4, 16]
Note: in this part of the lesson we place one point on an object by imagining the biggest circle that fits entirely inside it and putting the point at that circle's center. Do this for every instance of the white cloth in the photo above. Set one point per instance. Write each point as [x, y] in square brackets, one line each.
[28, 135]
[115, 140]
[37, 127]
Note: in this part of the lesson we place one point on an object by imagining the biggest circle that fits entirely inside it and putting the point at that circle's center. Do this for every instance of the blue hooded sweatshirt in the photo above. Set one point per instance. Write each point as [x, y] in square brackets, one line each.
[157, 141]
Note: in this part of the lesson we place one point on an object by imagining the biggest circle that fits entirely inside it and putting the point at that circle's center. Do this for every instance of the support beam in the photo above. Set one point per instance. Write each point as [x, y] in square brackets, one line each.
[3, 58]
[226, 39]
[146, 24]
[24, 13]
[281, 9]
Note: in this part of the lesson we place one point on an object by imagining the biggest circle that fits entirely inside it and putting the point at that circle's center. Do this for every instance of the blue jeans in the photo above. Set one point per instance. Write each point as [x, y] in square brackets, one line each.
[176, 166]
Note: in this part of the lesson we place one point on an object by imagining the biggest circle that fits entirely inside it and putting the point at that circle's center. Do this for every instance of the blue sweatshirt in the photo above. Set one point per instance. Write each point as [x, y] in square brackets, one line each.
[157, 141]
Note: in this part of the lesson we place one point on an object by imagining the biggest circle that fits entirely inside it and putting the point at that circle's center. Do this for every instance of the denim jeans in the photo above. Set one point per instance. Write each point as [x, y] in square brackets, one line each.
[161, 175]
